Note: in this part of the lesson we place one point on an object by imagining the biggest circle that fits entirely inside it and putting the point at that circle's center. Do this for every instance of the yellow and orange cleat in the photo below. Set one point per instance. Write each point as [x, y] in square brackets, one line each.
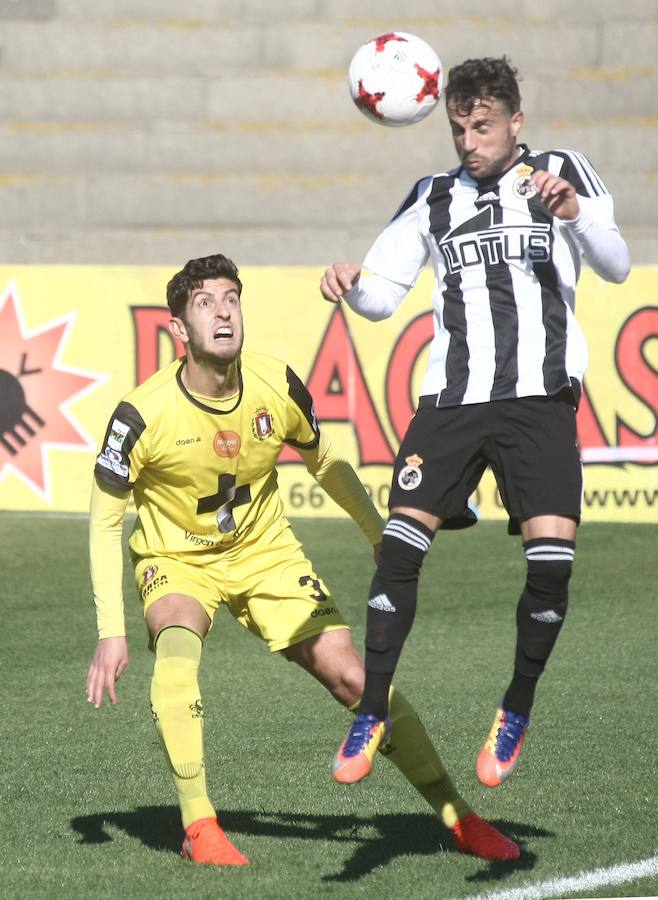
[500, 754]
[355, 755]
[205, 842]
[473, 835]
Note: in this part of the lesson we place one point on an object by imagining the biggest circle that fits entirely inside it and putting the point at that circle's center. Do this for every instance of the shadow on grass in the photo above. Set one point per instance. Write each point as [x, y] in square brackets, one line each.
[375, 840]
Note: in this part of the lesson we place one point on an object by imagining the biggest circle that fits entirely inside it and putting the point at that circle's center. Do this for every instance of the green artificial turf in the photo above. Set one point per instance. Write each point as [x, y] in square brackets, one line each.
[88, 810]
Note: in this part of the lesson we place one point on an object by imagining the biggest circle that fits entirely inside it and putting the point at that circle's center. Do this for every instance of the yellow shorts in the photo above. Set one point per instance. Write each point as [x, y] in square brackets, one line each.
[269, 587]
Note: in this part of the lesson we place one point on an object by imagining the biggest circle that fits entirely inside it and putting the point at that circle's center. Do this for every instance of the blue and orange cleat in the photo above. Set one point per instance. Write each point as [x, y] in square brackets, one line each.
[473, 835]
[355, 755]
[205, 842]
[500, 754]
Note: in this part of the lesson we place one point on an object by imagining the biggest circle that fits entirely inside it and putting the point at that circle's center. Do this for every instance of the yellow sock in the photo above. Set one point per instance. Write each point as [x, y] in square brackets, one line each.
[178, 716]
[412, 751]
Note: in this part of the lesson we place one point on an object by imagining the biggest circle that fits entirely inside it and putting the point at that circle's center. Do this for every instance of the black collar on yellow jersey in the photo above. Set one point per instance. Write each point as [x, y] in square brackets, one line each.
[209, 409]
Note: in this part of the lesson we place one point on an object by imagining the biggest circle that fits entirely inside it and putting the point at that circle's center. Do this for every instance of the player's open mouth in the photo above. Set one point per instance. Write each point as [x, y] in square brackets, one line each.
[223, 333]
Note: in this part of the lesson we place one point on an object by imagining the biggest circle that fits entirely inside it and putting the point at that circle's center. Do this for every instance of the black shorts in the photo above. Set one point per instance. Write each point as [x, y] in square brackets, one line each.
[530, 444]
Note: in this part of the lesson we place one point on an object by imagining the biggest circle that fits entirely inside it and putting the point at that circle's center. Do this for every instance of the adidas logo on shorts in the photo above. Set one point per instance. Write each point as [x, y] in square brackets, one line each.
[382, 603]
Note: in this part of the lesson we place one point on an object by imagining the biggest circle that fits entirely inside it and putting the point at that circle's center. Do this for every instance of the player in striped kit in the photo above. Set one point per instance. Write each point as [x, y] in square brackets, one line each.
[504, 232]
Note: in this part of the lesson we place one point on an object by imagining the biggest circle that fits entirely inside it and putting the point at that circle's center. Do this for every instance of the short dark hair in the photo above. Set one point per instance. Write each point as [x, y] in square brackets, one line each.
[192, 276]
[476, 79]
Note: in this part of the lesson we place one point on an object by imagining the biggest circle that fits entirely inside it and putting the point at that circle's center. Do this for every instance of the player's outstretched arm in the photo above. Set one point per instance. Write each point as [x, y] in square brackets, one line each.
[108, 664]
[338, 279]
[336, 476]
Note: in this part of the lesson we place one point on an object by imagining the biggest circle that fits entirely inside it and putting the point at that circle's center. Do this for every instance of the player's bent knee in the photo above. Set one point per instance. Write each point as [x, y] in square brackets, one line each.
[550, 564]
[176, 610]
[557, 553]
[547, 581]
[332, 659]
[543, 604]
[393, 591]
[322, 649]
[405, 544]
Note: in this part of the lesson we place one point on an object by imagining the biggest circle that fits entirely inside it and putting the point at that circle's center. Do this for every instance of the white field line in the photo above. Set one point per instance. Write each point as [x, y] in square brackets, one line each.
[585, 881]
[619, 454]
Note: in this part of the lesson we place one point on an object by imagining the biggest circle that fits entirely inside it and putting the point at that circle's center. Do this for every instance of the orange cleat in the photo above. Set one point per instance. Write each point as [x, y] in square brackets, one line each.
[205, 842]
[473, 835]
[355, 755]
[500, 754]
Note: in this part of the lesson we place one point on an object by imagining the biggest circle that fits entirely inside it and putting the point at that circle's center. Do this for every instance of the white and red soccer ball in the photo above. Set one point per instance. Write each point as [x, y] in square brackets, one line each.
[396, 79]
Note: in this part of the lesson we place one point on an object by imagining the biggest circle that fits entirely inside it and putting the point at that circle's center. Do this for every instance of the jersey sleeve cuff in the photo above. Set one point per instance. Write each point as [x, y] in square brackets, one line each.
[109, 632]
[581, 223]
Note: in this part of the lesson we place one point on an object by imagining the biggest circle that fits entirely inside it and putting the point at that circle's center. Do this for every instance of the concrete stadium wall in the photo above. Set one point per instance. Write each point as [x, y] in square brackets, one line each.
[150, 131]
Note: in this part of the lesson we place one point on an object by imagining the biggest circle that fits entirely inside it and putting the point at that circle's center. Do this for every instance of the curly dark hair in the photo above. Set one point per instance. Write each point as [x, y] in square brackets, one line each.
[192, 276]
[476, 79]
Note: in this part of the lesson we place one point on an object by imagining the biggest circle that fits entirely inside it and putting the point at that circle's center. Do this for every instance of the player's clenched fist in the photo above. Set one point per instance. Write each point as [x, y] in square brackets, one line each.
[338, 279]
[557, 194]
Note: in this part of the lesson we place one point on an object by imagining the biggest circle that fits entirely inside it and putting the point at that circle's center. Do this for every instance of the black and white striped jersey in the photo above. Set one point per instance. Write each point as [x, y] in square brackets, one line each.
[506, 273]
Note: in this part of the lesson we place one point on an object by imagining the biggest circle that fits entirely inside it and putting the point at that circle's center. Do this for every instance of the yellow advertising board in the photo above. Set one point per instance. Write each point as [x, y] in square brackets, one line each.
[74, 340]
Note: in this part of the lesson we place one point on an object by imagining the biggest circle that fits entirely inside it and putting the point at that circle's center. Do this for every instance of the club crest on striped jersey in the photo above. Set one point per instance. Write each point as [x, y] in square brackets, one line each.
[523, 188]
[262, 424]
[410, 476]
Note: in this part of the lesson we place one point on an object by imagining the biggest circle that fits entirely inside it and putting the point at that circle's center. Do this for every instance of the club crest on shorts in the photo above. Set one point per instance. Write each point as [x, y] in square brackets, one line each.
[523, 188]
[411, 476]
[262, 424]
[149, 572]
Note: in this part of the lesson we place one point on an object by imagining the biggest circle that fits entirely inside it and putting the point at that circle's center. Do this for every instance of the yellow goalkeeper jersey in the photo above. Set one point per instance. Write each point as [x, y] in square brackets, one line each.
[203, 472]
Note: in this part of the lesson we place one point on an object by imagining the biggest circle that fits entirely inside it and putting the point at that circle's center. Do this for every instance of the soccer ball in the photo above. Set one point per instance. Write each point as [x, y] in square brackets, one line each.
[396, 79]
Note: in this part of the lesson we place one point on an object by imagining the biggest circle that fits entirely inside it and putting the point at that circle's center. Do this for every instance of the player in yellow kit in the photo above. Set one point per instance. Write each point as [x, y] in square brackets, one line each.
[197, 445]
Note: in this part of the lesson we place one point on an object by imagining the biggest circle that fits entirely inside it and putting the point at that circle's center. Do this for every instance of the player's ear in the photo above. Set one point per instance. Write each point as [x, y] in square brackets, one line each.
[517, 122]
[178, 329]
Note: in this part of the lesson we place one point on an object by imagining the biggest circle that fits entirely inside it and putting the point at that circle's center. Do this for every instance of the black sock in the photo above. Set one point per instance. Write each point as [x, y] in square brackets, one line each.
[520, 694]
[374, 701]
[391, 607]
